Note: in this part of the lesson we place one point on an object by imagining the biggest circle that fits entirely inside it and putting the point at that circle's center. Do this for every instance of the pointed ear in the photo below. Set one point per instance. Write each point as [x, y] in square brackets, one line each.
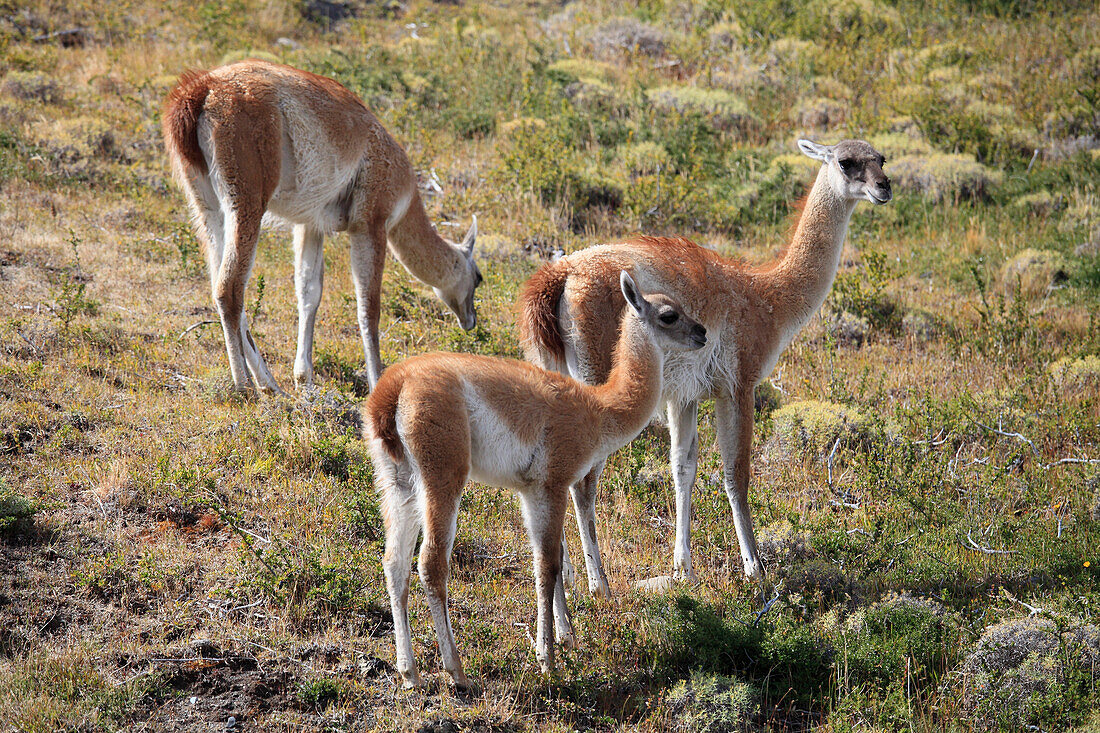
[824, 153]
[471, 236]
[632, 294]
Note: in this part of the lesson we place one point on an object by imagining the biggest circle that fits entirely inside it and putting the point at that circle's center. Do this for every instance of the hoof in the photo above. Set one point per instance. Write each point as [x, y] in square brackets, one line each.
[660, 584]
[412, 681]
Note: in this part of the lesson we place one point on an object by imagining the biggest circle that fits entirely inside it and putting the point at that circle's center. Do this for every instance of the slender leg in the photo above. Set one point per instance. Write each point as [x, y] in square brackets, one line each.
[544, 515]
[584, 503]
[229, 285]
[568, 573]
[402, 527]
[563, 624]
[368, 255]
[261, 375]
[683, 428]
[435, 553]
[309, 269]
[733, 417]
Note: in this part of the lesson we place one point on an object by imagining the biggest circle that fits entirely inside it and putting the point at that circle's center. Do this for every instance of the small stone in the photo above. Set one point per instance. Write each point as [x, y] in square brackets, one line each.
[660, 584]
[231, 723]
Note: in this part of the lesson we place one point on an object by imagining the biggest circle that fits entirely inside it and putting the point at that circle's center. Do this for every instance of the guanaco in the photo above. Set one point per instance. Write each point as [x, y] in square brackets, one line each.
[436, 420]
[570, 314]
[255, 139]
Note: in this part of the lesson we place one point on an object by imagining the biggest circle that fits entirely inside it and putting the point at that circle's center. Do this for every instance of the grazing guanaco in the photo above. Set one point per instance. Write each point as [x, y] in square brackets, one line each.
[435, 420]
[254, 138]
[570, 314]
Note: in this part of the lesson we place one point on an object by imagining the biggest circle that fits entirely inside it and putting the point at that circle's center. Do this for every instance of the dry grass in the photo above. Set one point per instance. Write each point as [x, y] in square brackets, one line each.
[193, 556]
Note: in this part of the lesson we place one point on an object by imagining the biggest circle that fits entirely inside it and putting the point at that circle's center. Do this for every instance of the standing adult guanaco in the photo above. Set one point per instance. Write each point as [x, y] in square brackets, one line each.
[569, 322]
[255, 138]
[436, 420]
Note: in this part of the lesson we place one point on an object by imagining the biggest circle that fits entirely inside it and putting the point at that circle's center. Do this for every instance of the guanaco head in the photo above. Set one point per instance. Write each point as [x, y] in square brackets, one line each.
[855, 168]
[663, 317]
[459, 297]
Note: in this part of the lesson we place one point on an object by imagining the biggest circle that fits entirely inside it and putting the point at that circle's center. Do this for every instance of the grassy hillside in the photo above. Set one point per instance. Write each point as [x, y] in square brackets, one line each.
[925, 477]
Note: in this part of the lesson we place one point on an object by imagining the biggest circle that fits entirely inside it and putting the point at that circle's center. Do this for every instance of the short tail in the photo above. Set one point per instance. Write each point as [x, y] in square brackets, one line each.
[539, 301]
[181, 119]
[381, 415]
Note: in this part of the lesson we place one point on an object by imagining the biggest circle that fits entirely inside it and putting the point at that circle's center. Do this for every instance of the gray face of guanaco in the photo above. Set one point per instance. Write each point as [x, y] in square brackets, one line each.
[460, 297]
[672, 329]
[857, 165]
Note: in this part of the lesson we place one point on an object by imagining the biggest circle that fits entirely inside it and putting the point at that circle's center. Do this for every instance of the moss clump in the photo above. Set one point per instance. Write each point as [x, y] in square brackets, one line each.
[724, 109]
[780, 545]
[521, 126]
[1076, 375]
[628, 35]
[1032, 272]
[844, 17]
[708, 703]
[1041, 204]
[820, 113]
[811, 426]
[16, 512]
[592, 95]
[1032, 672]
[571, 70]
[901, 143]
[942, 177]
[642, 159]
[726, 36]
[31, 86]
[77, 139]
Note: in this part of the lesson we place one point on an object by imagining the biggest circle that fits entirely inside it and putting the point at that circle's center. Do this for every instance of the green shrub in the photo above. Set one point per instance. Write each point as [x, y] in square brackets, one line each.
[809, 427]
[943, 177]
[707, 703]
[862, 293]
[725, 110]
[1032, 272]
[1076, 375]
[16, 512]
[1032, 672]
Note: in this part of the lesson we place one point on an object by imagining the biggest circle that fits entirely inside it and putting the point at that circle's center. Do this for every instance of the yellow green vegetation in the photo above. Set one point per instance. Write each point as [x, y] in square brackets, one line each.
[811, 426]
[172, 555]
[1077, 374]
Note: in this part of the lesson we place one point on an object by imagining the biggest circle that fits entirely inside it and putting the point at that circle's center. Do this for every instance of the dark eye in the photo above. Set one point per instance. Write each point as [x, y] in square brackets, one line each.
[847, 165]
[882, 162]
[478, 280]
[669, 317]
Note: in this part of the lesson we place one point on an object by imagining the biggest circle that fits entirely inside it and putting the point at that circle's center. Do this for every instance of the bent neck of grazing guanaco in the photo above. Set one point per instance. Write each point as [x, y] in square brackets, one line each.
[629, 396]
[801, 279]
[418, 247]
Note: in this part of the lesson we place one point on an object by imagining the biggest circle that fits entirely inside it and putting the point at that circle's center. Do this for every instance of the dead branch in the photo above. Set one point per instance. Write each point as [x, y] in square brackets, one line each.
[1006, 434]
[192, 327]
[970, 544]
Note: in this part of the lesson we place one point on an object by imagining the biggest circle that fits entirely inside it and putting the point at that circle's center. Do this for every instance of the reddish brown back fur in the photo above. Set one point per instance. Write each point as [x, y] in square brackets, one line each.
[181, 117]
[539, 300]
[381, 413]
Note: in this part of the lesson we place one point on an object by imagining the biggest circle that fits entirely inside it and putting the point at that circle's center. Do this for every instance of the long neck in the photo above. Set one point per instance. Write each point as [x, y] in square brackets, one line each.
[801, 279]
[418, 246]
[629, 396]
